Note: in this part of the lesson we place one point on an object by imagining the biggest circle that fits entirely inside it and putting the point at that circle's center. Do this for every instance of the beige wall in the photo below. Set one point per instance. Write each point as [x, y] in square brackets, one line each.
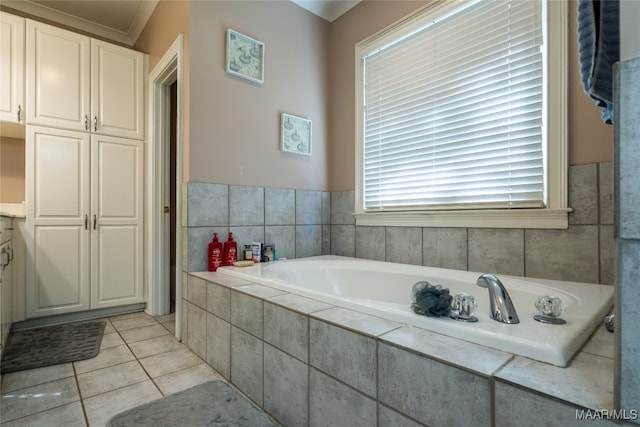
[169, 19]
[590, 140]
[309, 72]
[363, 20]
[12, 167]
[235, 125]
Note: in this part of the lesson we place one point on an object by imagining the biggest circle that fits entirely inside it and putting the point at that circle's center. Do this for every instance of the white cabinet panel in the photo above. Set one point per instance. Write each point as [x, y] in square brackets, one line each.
[61, 271]
[11, 68]
[117, 201]
[117, 91]
[117, 268]
[58, 206]
[6, 292]
[60, 166]
[58, 73]
[7, 283]
[117, 171]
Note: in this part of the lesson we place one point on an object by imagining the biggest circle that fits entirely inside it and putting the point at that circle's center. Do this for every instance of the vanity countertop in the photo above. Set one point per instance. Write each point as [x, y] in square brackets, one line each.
[12, 210]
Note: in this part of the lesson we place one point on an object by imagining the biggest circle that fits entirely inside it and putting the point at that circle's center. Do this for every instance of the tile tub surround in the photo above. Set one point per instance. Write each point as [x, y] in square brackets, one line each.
[296, 221]
[581, 253]
[305, 223]
[627, 198]
[309, 363]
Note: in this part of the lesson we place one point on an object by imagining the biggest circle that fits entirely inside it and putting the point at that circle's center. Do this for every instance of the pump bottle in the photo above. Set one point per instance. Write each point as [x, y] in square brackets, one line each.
[215, 253]
[230, 251]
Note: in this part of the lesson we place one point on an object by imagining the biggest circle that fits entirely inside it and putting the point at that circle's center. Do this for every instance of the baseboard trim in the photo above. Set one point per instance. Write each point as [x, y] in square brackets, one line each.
[75, 317]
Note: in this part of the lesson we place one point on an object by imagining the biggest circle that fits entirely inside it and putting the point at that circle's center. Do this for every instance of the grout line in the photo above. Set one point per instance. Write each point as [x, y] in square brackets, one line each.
[138, 360]
[80, 397]
[76, 374]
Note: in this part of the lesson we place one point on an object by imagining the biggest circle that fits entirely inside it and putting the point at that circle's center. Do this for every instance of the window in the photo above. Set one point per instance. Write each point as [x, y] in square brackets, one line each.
[461, 117]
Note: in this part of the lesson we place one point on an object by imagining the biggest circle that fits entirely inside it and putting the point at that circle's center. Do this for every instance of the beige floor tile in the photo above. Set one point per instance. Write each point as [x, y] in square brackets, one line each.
[157, 345]
[102, 407]
[166, 363]
[109, 329]
[111, 378]
[133, 323]
[107, 357]
[143, 333]
[186, 378]
[31, 377]
[171, 327]
[69, 415]
[109, 383]
[28, 401]
[111, 340]
[166, 318]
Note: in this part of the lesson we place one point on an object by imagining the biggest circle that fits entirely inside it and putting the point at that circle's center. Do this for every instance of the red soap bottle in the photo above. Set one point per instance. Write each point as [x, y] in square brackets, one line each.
[230, 251]
[215, 253]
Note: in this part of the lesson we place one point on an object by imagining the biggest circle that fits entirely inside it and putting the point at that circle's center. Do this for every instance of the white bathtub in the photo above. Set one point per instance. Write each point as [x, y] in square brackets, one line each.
[384, 289]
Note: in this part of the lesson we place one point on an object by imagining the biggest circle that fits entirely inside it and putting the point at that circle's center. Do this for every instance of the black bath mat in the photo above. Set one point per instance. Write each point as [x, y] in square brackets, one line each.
[52, 345]
[209, 404]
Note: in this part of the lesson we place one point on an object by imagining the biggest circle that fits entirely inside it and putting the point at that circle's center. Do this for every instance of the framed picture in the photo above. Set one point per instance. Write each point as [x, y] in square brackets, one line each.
[245, 57]
[296, 134]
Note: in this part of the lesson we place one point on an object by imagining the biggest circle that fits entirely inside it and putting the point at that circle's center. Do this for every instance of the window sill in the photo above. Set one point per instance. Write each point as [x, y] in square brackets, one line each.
[516, 218]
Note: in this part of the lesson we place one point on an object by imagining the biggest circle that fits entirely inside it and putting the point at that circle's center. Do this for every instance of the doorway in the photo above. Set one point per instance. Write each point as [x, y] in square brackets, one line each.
[164, 186]
[173, 203]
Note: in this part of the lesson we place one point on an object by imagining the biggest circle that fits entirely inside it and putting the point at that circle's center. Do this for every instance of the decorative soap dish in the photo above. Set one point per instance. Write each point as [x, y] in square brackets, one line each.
[245, 263]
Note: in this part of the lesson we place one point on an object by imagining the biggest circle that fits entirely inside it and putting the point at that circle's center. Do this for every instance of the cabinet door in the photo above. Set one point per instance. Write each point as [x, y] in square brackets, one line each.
[6, 293]
[57, 187]
[11, 68]
[117, 235]
[117, 90]
[58, 72]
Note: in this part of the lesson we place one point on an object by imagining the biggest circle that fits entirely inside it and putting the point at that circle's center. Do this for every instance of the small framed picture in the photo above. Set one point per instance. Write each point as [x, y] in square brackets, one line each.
[245, 57]
[296, 134]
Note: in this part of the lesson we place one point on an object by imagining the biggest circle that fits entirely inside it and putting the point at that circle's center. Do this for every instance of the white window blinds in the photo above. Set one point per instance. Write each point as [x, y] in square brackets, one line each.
[453, 112]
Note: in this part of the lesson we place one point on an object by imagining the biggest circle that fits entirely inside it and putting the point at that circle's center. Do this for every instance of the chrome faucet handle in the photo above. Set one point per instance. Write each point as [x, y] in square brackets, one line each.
[550, 308]
[462, 308]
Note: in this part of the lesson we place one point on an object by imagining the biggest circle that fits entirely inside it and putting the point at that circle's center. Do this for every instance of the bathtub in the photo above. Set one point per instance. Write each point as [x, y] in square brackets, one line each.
[383, 289]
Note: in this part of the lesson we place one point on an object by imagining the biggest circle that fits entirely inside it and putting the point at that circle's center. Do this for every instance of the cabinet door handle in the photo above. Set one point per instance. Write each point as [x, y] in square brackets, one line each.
[19, 113]
[95, 123]
[5, 259]
[86, 122]
[95, 222]
[10, 249]
[86, 222]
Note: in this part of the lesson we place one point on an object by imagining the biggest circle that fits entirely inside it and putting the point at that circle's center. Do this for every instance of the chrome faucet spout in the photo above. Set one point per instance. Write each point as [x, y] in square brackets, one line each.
[502, 309]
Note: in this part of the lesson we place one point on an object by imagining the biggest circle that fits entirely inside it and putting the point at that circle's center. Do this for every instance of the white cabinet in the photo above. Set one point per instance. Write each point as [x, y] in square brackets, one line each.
[84, 169]
[58, 73]
[117, 90]
[6, 280]
[117, 215]
[84, 221]
[78, 83]
[58, 208]
[11, 68]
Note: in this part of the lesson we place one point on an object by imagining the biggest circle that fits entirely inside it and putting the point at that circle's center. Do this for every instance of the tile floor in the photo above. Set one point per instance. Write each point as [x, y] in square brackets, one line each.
[139, 361]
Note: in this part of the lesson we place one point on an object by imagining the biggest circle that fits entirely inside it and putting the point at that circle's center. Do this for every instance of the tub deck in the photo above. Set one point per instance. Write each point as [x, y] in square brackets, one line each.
[307, 362]
[384, 289]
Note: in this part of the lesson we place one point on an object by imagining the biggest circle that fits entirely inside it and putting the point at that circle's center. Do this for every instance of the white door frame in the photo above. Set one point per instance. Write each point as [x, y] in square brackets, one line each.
[169, 70]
